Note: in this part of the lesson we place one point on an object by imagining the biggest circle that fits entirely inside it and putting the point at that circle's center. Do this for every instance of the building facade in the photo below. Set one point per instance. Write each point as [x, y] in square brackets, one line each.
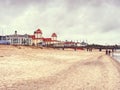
[17, 39]
[38, 39]
[3, 40]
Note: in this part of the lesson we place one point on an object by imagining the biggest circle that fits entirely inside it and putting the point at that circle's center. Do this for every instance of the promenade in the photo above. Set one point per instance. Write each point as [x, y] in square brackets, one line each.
[28, 68]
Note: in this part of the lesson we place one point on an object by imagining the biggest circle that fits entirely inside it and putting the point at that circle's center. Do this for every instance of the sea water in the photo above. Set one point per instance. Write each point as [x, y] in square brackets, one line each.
[116, 55]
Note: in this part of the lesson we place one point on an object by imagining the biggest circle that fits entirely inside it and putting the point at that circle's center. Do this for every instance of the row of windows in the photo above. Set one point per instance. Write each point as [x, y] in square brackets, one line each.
[20, 41]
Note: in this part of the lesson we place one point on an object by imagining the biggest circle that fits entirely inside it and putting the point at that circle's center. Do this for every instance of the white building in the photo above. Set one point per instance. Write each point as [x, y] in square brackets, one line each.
[17, 39]
[37, 37]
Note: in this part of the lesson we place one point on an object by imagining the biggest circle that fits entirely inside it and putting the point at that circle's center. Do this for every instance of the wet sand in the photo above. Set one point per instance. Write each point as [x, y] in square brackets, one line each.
[28, 68]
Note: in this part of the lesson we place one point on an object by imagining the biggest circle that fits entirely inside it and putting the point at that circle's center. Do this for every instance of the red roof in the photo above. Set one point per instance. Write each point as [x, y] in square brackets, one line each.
[54, 35]
[32, 36]
[47, 39]
[38, 31]
[44, 39]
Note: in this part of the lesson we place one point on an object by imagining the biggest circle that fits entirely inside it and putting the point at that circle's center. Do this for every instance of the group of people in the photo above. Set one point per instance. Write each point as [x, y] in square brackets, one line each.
[109, 52]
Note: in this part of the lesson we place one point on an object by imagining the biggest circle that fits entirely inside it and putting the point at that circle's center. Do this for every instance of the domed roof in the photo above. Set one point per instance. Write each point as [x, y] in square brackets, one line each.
[54, 35]
[38, 31]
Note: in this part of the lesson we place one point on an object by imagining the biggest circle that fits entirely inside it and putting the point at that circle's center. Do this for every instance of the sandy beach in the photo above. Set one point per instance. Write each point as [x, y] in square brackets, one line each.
[29, 68]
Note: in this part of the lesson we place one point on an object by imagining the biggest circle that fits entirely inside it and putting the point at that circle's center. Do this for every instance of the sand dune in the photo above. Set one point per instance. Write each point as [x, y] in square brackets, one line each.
[28, 68]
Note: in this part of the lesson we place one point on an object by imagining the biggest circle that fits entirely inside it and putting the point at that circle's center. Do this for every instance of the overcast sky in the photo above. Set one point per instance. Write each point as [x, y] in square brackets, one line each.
[97, 21]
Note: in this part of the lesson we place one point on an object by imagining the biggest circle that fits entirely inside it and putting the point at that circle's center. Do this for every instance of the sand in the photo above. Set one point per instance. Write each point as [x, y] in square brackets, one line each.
[28, 68]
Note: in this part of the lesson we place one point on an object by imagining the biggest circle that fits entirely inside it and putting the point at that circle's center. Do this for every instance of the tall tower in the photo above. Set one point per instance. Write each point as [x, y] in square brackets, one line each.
[38, 33]
[54, 36]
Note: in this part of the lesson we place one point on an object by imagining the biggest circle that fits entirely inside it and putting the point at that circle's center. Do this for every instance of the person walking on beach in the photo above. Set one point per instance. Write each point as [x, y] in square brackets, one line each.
[106, 52]
[109, 52]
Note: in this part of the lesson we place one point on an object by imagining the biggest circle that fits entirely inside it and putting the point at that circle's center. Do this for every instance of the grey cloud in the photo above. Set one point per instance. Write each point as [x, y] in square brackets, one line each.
[75, 4]
[22, 2]
[71, 19]
[111, 26]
